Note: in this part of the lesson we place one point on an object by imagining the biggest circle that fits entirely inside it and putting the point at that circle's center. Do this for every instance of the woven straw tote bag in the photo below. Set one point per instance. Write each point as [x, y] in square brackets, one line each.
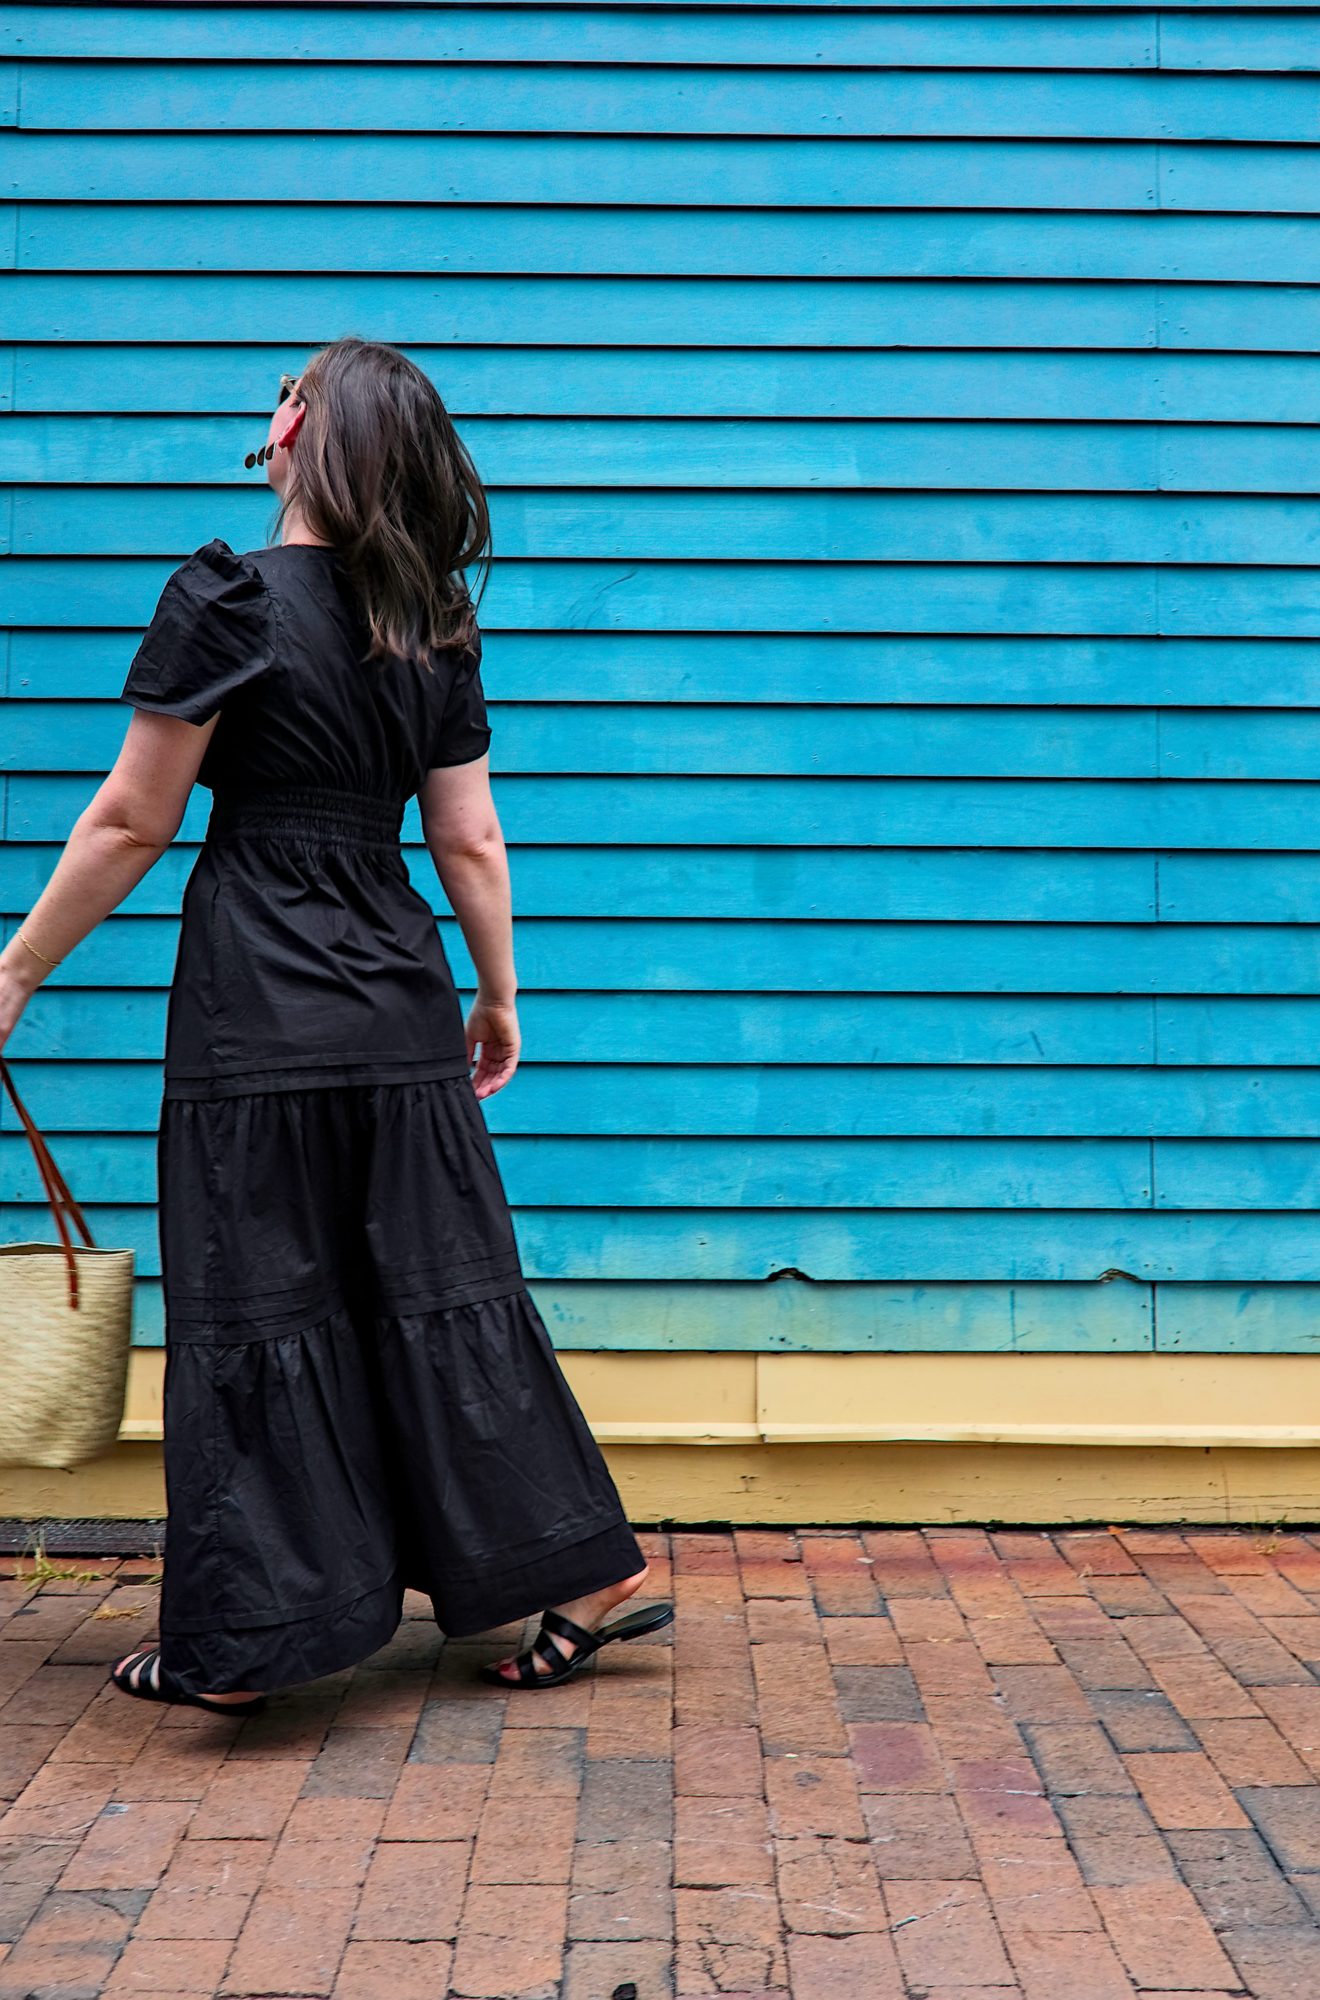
[66, 1318]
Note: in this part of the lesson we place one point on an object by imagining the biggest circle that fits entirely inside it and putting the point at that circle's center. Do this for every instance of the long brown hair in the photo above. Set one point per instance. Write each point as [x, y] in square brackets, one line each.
[379, 471]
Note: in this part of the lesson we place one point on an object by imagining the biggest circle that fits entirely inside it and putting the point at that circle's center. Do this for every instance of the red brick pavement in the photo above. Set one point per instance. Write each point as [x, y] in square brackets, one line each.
[878, 1765]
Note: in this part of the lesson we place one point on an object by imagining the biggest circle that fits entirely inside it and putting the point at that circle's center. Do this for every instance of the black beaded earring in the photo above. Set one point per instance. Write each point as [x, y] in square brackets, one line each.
[287, 387]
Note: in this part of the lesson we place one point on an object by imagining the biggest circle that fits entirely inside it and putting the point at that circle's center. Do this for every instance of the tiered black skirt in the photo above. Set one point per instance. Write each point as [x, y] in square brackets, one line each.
[360, 1394]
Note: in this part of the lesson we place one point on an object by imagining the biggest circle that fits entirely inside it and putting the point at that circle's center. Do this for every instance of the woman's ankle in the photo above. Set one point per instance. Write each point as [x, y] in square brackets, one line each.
[628, 1585]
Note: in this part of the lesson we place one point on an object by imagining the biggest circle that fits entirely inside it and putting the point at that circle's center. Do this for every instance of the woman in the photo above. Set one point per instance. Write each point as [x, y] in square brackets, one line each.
[360, 1395]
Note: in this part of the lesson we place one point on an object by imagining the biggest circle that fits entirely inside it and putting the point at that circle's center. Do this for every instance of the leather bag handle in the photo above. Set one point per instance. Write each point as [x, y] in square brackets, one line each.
[61, 1201]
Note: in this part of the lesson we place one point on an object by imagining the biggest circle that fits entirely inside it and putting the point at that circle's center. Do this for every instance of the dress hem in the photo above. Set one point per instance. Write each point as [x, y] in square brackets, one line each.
[325, 1609]
[334, 1649]
[438, 1586]
[613, 1554]
[574, 1568]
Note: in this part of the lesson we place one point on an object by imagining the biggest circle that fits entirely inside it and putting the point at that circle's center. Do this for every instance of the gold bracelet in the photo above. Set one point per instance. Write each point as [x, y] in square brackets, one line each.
[35, 953]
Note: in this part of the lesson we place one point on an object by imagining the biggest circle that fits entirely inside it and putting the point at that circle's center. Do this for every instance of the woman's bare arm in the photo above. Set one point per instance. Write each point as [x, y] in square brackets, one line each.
[466, 843]
[117, 838]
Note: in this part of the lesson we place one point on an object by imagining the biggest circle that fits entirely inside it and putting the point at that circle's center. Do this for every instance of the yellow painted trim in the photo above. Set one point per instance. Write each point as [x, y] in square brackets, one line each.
[944, 1484]
[144, 1399]
[798, 1484]
[1130, 1400]
[1187, 1401]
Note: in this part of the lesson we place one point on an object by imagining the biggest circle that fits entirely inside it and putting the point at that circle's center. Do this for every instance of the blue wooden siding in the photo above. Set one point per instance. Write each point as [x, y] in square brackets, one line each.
[902, 433]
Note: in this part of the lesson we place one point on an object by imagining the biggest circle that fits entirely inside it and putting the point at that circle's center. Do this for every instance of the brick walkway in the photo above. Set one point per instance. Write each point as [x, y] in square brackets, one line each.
[947, 1764]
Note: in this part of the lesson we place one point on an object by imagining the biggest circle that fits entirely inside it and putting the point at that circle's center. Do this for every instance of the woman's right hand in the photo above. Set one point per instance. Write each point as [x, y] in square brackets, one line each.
[493, 1024]
[16, 988]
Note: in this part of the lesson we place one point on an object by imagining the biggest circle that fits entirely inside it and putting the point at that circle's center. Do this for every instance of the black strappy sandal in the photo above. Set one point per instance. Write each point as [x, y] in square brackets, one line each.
[562, 1664]
[143, 1674]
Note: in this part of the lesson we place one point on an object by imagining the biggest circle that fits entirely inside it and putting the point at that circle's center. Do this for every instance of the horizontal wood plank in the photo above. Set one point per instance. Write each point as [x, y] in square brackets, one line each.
[910, 812]
[651, 956]
[650, 310]
[819, 668]
[786, 172]
[851, 1098]
[476, 95]
[877, 243]
[493, 393]
[878, 1244]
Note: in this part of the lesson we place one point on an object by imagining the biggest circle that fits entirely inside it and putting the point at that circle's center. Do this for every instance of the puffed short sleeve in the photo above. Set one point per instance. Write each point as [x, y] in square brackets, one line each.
[212, 631]
[464, 731]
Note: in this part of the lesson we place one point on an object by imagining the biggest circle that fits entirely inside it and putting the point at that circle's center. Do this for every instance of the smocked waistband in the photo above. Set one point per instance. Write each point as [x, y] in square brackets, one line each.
[307, 812]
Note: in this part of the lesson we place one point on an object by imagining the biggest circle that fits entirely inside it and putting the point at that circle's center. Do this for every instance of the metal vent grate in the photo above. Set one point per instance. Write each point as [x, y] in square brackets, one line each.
[83, 1537]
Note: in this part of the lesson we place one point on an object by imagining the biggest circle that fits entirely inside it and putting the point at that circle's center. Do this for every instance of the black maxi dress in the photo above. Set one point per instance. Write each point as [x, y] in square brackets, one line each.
[360, 1394]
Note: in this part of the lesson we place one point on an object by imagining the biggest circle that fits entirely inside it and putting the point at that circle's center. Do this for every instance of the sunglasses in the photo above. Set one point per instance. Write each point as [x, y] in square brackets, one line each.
[288, 383]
